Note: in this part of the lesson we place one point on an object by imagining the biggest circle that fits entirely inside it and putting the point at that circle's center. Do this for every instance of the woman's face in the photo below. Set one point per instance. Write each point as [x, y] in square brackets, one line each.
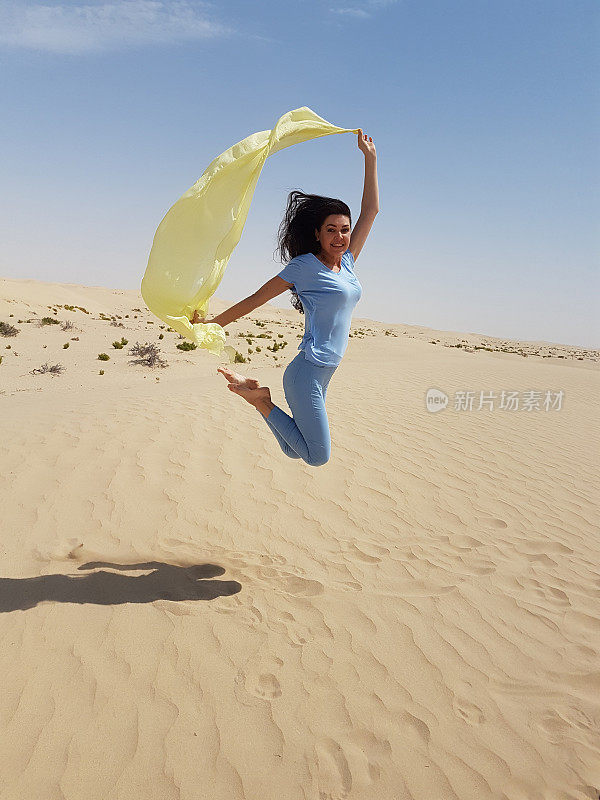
[334, 235]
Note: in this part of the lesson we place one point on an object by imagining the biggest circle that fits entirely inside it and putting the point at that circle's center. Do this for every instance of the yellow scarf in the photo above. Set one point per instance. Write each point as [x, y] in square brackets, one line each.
[197, 236]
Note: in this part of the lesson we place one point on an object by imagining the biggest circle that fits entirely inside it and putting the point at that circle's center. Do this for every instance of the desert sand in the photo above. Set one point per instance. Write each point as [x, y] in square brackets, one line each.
[186, 613]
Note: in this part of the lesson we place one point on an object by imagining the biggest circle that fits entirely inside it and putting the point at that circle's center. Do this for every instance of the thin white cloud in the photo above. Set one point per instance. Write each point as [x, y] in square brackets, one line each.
[351, 12]
[364, 10]
[120, 25]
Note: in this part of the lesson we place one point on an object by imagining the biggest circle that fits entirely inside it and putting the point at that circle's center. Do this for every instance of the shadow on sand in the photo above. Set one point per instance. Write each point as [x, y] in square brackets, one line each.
[165, 582]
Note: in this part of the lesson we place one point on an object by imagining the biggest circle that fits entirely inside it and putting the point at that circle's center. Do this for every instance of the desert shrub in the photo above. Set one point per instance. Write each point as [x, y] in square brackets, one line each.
[117, 324]
[239, 358]
[103, 357]
[147, 354]
[67, 325]
[49, 321]
[8, 330]
[54, 369]
[101, 372]
[65, 346]
[186, 346]
[161, 336]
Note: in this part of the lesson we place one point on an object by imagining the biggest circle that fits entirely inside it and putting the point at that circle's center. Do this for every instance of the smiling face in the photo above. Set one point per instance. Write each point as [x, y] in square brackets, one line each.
[334, 236]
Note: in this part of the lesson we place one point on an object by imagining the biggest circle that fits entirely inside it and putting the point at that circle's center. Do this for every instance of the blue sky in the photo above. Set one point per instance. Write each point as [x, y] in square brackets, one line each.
[485, 115]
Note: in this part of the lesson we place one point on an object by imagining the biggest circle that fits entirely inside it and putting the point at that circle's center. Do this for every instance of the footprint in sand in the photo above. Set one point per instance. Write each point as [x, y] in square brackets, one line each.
[264, 685]
[267, 686]
[345, 768]
[62, 551]
[292, 584]
[493, 522]
[469, 712]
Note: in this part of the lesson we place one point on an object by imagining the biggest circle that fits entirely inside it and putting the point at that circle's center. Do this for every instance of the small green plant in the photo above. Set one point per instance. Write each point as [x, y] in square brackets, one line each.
[49, 321]
[101, 372]
[239, 358]
[65, 346]
[103, 357]
[161, 336]
[187, 346]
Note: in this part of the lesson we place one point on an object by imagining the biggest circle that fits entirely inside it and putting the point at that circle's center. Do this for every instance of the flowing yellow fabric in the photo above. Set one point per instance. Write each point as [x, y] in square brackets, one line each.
[197, 236]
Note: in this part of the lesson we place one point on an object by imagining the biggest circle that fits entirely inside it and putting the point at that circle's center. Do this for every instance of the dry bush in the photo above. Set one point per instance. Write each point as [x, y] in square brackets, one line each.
[8, 330]
[55, 369]
[147, 354]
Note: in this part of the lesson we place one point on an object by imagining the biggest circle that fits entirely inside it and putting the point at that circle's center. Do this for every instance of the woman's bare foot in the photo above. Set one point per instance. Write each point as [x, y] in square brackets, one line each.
[256, 397]
[238, 380]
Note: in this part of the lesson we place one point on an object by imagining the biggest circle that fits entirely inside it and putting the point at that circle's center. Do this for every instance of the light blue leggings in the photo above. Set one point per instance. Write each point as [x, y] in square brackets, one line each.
[307, 435]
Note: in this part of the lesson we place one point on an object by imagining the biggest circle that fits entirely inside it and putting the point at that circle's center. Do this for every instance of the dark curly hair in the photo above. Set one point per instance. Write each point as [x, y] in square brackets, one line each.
[296, 234]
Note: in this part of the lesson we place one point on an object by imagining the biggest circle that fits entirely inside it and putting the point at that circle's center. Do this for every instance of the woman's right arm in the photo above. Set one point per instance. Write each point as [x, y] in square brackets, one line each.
[267, 291]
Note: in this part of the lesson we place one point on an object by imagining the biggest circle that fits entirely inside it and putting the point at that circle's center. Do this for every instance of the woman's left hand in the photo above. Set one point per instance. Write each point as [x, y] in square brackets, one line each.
[365, 144]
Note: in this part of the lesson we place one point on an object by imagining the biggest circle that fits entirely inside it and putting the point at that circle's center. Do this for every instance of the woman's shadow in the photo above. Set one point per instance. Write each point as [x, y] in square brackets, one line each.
[164, 582]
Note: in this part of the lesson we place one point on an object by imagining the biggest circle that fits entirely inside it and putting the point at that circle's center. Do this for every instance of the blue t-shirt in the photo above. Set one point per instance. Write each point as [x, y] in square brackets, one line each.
[328, 299]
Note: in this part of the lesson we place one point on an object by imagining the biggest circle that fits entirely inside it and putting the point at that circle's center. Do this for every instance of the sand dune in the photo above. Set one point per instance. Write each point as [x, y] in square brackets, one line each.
[189, 614]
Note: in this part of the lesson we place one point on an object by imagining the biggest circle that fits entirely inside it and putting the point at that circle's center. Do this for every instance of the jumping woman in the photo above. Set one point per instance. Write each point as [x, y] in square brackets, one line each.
[316, 235]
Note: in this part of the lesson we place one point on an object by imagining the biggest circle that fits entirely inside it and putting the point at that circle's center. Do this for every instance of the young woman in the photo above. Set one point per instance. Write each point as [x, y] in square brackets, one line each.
[315, 234]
